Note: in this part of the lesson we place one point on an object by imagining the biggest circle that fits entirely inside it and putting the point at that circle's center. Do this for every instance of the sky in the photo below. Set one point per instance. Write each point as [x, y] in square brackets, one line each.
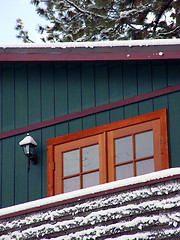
[10, 10]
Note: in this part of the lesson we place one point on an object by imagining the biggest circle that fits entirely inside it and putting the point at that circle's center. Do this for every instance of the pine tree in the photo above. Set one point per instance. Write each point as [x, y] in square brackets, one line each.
[95, 20]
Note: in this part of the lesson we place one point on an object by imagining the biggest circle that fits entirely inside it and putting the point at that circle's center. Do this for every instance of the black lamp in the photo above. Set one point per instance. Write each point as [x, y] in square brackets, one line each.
[28, 144]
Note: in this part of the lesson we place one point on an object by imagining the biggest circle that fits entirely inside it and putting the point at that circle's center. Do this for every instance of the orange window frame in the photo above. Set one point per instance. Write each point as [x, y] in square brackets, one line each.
[104, 136]
[74, 145]
[153, 125]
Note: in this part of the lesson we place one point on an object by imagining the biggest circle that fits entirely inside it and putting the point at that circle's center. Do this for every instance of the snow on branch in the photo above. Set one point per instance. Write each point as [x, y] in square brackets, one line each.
[84, 11]
[177, 29]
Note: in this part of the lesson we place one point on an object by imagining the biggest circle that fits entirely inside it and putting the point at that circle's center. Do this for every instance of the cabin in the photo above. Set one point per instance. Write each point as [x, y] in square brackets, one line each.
[102, 119]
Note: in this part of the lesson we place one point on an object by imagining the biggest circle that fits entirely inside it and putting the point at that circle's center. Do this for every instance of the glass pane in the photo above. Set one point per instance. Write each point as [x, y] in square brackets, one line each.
[90, 158]
[90, 179]
[146, 166]
[71, 184]
[26, 149]
[71, 162]
[144, 144]
[124, 171]
[123, 149]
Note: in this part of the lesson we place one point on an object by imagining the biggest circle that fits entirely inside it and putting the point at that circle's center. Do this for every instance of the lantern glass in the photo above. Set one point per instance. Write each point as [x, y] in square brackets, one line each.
[28, 149]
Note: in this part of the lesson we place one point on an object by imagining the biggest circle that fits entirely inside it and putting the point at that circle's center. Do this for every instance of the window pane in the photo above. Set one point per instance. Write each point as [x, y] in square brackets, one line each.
[90, 179]
[123, 149]
[144, 144]
[146, 166]
[124, 171]
[71, 184]
[90, 158]
[71, 162]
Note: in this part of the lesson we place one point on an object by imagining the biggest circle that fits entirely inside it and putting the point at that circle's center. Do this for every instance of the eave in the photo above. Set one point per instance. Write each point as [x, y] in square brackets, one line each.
[92, 51]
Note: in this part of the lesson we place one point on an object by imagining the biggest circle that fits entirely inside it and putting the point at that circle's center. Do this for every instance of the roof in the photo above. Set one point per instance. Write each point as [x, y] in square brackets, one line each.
[143, 207]
[115, 186]
[92, 51]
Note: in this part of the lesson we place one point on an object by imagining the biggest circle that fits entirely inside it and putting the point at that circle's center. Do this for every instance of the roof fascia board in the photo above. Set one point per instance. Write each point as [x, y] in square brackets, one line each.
[95, 56]
[93, 51]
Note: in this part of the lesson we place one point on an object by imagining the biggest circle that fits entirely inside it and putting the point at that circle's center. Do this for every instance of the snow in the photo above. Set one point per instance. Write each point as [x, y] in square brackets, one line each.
[98, 231]
[149, 206]
[113, 212]
[28, 140]
[123, 43]
[161, 53]
[147, 235]
[88, 191]
[96, 218]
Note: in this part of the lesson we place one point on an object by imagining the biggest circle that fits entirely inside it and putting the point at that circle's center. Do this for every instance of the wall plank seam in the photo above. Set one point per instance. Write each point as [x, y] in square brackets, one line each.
[101, 108]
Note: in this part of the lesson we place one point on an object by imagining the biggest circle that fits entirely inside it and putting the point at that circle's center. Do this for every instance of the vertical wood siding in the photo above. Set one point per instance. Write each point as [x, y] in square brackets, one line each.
[35, 92]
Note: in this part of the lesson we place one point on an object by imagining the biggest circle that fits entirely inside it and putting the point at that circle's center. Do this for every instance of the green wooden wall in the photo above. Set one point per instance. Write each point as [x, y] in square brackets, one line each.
[35, 92]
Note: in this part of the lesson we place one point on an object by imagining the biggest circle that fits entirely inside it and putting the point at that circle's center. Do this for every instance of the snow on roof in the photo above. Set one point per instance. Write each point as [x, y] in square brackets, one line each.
[129, 182]
[122, 43]
[92, 51]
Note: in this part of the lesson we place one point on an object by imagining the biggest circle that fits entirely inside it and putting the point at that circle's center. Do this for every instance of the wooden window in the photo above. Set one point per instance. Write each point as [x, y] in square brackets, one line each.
[78, 164]
[106, 153]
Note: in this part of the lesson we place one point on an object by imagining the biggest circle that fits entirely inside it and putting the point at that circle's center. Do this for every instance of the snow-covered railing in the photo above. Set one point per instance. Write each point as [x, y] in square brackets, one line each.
[144, 207]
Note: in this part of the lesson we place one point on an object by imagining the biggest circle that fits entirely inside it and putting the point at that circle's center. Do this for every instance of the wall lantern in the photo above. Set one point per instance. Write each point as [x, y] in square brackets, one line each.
[28, 144]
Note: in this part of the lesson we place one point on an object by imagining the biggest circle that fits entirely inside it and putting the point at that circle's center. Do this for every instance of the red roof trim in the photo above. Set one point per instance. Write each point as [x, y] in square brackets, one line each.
[89, 56]
[90, 111]
[109, 191]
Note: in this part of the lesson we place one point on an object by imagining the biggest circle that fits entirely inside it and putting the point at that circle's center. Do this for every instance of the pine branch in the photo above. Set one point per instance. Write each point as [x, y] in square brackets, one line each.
[22, 33]
[163, 9]
[92, 20]
[175, 30]
[84, 11]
